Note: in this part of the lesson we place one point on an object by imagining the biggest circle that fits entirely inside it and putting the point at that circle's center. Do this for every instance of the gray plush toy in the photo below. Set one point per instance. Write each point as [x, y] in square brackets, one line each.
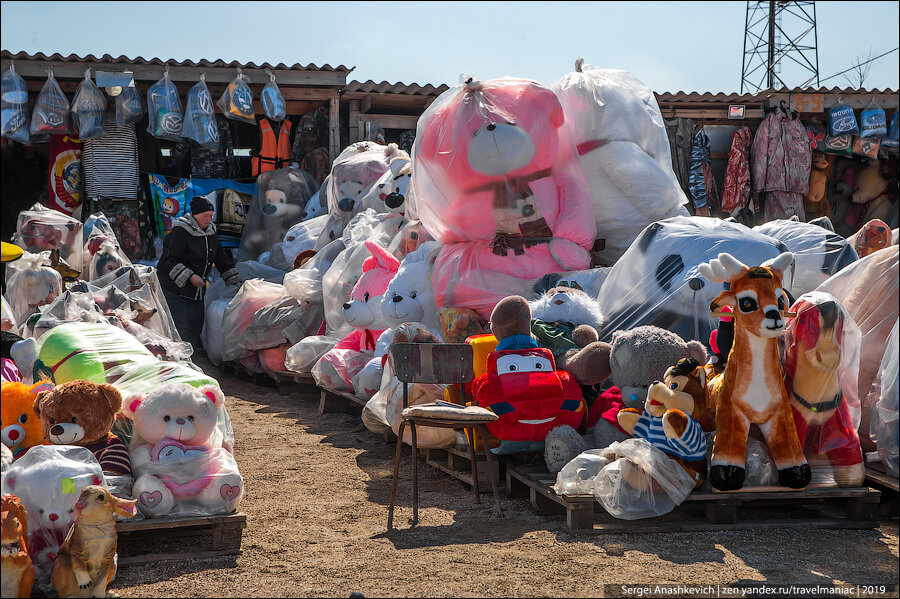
[638, 357]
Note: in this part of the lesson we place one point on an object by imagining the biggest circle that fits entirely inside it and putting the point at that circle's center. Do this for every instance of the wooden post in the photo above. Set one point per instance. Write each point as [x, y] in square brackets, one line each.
[334, 128]
[355, 133]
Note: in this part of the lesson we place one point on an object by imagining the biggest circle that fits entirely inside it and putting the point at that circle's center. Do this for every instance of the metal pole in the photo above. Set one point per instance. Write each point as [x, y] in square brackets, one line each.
[771, 63]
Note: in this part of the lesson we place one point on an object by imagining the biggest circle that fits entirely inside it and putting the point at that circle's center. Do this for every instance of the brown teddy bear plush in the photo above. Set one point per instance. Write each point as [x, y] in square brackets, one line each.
[816, 204]
[587, 360]
[82, 413]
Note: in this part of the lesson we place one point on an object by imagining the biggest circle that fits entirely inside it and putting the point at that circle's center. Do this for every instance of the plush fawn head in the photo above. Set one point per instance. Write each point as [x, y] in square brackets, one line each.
[754, 292]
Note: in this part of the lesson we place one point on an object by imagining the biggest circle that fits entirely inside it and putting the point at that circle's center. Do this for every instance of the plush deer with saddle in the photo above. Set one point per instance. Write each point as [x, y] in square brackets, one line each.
[751, 390]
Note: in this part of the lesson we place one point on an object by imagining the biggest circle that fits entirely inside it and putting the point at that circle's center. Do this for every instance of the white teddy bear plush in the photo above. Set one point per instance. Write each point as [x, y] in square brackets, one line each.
[177, 452]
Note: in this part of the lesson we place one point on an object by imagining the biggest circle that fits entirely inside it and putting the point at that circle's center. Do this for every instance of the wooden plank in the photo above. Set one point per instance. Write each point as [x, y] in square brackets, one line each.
[649, 526]
[391, 121]
[355, 130]
[151, 558]
[365, 105]
[166, 522]
[437, 363]
[334, 128]
[457, 464]
[337, 401]
[879, 477]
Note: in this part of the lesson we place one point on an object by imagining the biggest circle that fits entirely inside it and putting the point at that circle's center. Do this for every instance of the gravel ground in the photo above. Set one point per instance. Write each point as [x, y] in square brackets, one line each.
[317, 490]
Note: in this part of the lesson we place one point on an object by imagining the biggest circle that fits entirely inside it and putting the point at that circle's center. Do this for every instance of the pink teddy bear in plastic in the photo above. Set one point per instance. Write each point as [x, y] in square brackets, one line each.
[336, 369]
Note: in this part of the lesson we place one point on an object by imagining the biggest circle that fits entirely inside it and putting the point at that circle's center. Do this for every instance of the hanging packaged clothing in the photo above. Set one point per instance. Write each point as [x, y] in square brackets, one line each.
[169, 201]
[66, 175]
[199, 116]
[51, 110]
[736, 188]
[14, 106]
[681, 141]
[696, 178]
[780, 159]
[217, 162]
[111, 162]
[274, 152]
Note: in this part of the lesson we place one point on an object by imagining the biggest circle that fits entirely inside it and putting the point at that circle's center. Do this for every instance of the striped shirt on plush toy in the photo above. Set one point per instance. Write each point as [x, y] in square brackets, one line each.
[690, 447]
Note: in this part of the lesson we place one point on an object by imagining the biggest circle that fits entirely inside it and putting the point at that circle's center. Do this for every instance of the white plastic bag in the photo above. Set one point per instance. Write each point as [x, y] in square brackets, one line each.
[643, 482]
[199, 116]
[304, 354]
[51, 110]
[33, 285]
[302, 237]
[252, 295]
[40, 229]
[164, 107]
[577, 476]
[129, 108]
[236, 102]
[883, 420]
[272, 100]
[88, 107]
[14, 106]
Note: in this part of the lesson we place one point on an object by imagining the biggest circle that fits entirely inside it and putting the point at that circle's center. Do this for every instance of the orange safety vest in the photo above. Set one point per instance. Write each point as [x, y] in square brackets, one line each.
[272, 153]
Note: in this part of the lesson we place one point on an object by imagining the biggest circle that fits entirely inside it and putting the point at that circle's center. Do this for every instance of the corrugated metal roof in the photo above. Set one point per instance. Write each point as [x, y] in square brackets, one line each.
[413, 89]
[707, 97]
[140, 60]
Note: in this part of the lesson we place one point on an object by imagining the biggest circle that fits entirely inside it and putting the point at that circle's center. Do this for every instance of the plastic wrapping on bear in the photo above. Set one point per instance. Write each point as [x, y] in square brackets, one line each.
[302, 237]
[408, 239]
[642, 482]
[252, 295]
[164, 110]
[279, 325]
[281, 196]
[236, 102]
[578, 475]
[40, 228]
[200, 116]
[129, 108]
[589, 281]
[48, 480]
[885, 401]
[51, 110]
[14, 106]
[623, 148]
[143, 293]
[8, 320]
[272, 101]
[32, 285]
[657, 280]
[88, 106]
[107, 258]
[820, 360]
[73, 305]
[304, 354]
[818, 252]
[96, 231]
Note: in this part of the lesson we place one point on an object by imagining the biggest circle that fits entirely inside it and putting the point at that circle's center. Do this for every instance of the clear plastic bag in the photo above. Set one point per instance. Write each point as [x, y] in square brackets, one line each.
[51, 110]
[141, 285]
[8, 320]
[236, 102]
[14, 106]
[842, 121]
[304, 354]
[108, 258]
[302, 237]
[48, 479]
[40, 228]
[336, 369]
[318, 202]
[642, 482]
[578, 475]
[272, 101]
[885, 402]
[820, 359]
[818, 252]
[657, 280]
[872, 121]
[164, 108]
[616, 124]
[353, 174]
[213, 335]
[88, 107]
[281, 196]
[252, 295]
[32, 285]
[200, 116]
[129, 108]
[280, 321]
[589, 281]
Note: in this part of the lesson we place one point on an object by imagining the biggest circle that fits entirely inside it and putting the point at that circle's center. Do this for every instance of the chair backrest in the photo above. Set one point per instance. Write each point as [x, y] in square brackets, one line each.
[437, 363]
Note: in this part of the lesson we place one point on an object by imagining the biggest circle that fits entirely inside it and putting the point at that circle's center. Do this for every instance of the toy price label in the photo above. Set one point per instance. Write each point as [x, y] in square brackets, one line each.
[808, 102]
[68, 486]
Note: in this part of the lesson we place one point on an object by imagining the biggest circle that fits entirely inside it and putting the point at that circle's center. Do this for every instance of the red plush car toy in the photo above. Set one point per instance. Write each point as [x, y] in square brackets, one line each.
[528, 394]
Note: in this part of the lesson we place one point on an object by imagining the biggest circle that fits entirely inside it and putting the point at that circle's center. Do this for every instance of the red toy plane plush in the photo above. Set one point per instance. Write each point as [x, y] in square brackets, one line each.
[527, 392]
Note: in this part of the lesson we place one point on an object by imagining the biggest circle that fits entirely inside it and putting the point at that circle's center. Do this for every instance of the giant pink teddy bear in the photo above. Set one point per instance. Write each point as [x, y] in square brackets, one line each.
[497, 181]
[336, 369]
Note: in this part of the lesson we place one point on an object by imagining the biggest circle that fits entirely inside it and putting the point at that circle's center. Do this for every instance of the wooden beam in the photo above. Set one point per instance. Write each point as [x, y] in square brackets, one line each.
[75, 70]
[355, 134]
[334, 128]
[366, 104]
[391, 121]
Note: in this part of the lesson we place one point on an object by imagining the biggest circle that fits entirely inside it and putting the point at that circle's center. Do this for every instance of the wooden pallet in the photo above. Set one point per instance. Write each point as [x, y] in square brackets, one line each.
[238, 370]
[876, 475]
[293, 383]
[167, 536]
[456, 463]
[702, 511]
[339, 401]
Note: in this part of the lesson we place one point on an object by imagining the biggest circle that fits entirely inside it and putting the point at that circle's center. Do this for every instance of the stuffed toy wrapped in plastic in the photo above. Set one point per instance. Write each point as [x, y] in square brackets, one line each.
[200, 116]
[885, 402]
[164, 108]
[497, 181]
[657, 279]
[48, 480]
[302, 237]
[32, 285]
[820, 361]
[41, 229]
[624, 152]
[252, 295]
[281, 196]
[51, 110]
[14, 106]
[279, 325]
[88, 107]
[818, 252]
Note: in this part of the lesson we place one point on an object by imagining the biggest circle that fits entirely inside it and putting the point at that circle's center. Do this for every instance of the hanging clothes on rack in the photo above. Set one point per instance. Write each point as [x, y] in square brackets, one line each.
[736, 188]
[681, 140]
[696, 176]
[780, 159]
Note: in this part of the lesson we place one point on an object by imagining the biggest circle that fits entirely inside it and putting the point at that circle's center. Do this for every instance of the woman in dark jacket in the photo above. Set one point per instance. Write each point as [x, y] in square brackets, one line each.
[190, 250]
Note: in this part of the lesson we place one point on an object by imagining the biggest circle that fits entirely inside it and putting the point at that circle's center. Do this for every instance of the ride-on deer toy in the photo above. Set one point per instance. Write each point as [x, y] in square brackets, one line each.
[751, 389]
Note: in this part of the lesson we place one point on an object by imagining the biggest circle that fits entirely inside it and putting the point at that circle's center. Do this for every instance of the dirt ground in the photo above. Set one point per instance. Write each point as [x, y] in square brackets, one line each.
[317, 491]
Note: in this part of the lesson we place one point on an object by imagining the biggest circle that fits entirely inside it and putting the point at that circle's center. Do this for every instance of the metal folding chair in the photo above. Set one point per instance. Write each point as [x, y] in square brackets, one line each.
[442, 364]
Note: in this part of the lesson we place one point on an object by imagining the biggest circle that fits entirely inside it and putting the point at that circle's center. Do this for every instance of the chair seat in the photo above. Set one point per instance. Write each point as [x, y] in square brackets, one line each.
[449, 414]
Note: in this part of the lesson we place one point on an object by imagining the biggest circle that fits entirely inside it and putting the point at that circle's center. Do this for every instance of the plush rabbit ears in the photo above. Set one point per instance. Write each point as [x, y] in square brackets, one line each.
[380, 258]
[728, 268]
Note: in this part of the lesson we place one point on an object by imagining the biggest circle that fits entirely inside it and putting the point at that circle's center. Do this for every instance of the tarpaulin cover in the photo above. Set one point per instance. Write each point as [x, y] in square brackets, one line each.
[657, 280]
[623, 148]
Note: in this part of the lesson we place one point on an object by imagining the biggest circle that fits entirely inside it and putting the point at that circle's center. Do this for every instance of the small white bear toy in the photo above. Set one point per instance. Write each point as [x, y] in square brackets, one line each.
[179, 461]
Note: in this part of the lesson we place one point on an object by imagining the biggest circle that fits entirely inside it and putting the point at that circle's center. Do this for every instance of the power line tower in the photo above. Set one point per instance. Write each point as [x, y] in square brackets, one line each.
[777, 33]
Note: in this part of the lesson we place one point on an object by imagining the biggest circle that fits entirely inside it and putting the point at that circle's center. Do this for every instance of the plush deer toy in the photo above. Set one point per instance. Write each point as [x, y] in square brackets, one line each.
[751, 389]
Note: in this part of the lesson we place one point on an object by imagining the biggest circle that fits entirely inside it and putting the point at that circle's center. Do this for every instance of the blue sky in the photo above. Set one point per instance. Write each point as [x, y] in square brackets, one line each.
[671, 46]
